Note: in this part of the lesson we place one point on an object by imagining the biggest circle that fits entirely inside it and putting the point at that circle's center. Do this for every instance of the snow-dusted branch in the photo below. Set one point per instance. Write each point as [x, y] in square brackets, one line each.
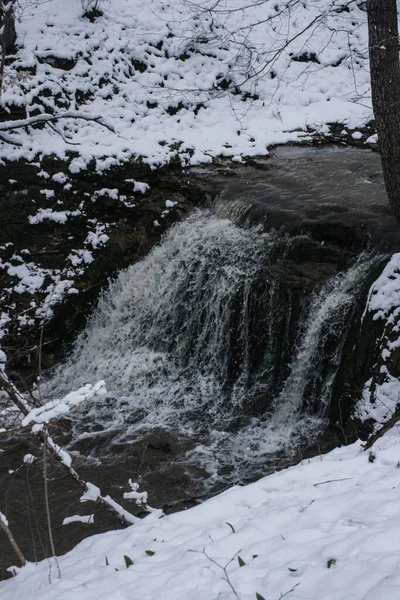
[395, 418]
[4, 526]
[38, 417]
[11, 125]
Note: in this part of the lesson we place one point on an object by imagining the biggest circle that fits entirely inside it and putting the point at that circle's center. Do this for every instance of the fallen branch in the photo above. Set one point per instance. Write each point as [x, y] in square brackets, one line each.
[289, 591]
[91, 492]
[332, 481]
[4, 526]
[46, 118]
[385, 427]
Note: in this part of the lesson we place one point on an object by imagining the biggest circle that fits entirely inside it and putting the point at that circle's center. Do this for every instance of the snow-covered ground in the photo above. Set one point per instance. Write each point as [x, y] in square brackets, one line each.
[174, 76]
[328, 528]
[167, 78]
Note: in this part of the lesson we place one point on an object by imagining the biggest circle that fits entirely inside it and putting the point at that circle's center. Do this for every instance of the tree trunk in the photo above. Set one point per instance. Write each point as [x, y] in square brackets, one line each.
[385, 89]
[7, 20]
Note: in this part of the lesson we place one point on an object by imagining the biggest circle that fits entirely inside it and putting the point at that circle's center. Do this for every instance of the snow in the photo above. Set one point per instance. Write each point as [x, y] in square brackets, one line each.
[140, 186]
[79, 519]
[327, 528]
[163, 78]
[380, 399]
[111, 193]
[91, 494]
[170, 204]
[384, 295]
[56, 408]
[139, 497]
[51, 215]
[3, 360]
[52, 284]
[48, 193]
[28, 459]
[31, 278]
[80, 256]
[379, 403]
[59, 177]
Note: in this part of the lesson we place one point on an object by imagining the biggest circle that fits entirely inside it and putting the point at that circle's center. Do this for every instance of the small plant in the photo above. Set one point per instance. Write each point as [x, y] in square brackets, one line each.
[259, 597]
[128, 561]
[150, 552]
[331, 562]
[231, 526]
[241, 561]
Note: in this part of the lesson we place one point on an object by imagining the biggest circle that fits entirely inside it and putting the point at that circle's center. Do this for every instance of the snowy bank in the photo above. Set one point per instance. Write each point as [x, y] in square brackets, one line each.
[206, 80]
[327, 528]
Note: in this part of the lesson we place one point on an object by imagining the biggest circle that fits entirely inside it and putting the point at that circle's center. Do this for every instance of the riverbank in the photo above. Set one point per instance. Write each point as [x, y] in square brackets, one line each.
[330, 524]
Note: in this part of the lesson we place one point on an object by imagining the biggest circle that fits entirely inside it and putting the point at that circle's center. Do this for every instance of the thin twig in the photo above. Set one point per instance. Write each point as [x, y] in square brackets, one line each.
[332, 481]
[47, 504]
[223, 568]
[289, 591]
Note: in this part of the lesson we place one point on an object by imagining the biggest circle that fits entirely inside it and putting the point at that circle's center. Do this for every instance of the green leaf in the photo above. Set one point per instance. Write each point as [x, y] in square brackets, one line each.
[128, 561]
[150, 552]
[259, 597]
[231, 526]
[241, 562]
[107, 563]
[255, 555]
[331, 562]
[292, 570]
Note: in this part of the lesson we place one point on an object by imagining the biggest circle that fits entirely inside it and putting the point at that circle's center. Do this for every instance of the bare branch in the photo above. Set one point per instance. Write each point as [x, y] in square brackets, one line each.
[332, 481]
[63, 457]
[385, 427]
[46, 118]
[4, 526]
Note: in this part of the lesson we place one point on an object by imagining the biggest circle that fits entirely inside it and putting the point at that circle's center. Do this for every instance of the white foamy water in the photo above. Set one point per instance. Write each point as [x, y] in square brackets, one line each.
[174, 338]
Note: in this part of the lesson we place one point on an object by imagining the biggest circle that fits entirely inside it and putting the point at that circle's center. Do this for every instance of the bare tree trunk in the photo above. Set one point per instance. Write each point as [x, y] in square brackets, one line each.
[7, 34]
[385, 88]
[7, 25]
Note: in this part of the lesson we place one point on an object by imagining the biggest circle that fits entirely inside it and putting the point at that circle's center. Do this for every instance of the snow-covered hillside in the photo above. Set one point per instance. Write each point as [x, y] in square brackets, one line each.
[326, 529]
[175, 76]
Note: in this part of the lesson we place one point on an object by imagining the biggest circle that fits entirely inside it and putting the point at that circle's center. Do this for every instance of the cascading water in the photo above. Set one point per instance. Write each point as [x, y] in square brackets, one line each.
[205, 338]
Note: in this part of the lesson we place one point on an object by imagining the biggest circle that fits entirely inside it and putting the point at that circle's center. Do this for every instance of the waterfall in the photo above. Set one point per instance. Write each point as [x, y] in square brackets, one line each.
[205, 338]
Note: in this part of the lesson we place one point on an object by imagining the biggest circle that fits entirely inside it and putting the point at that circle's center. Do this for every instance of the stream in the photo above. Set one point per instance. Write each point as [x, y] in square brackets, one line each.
[223, 350]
